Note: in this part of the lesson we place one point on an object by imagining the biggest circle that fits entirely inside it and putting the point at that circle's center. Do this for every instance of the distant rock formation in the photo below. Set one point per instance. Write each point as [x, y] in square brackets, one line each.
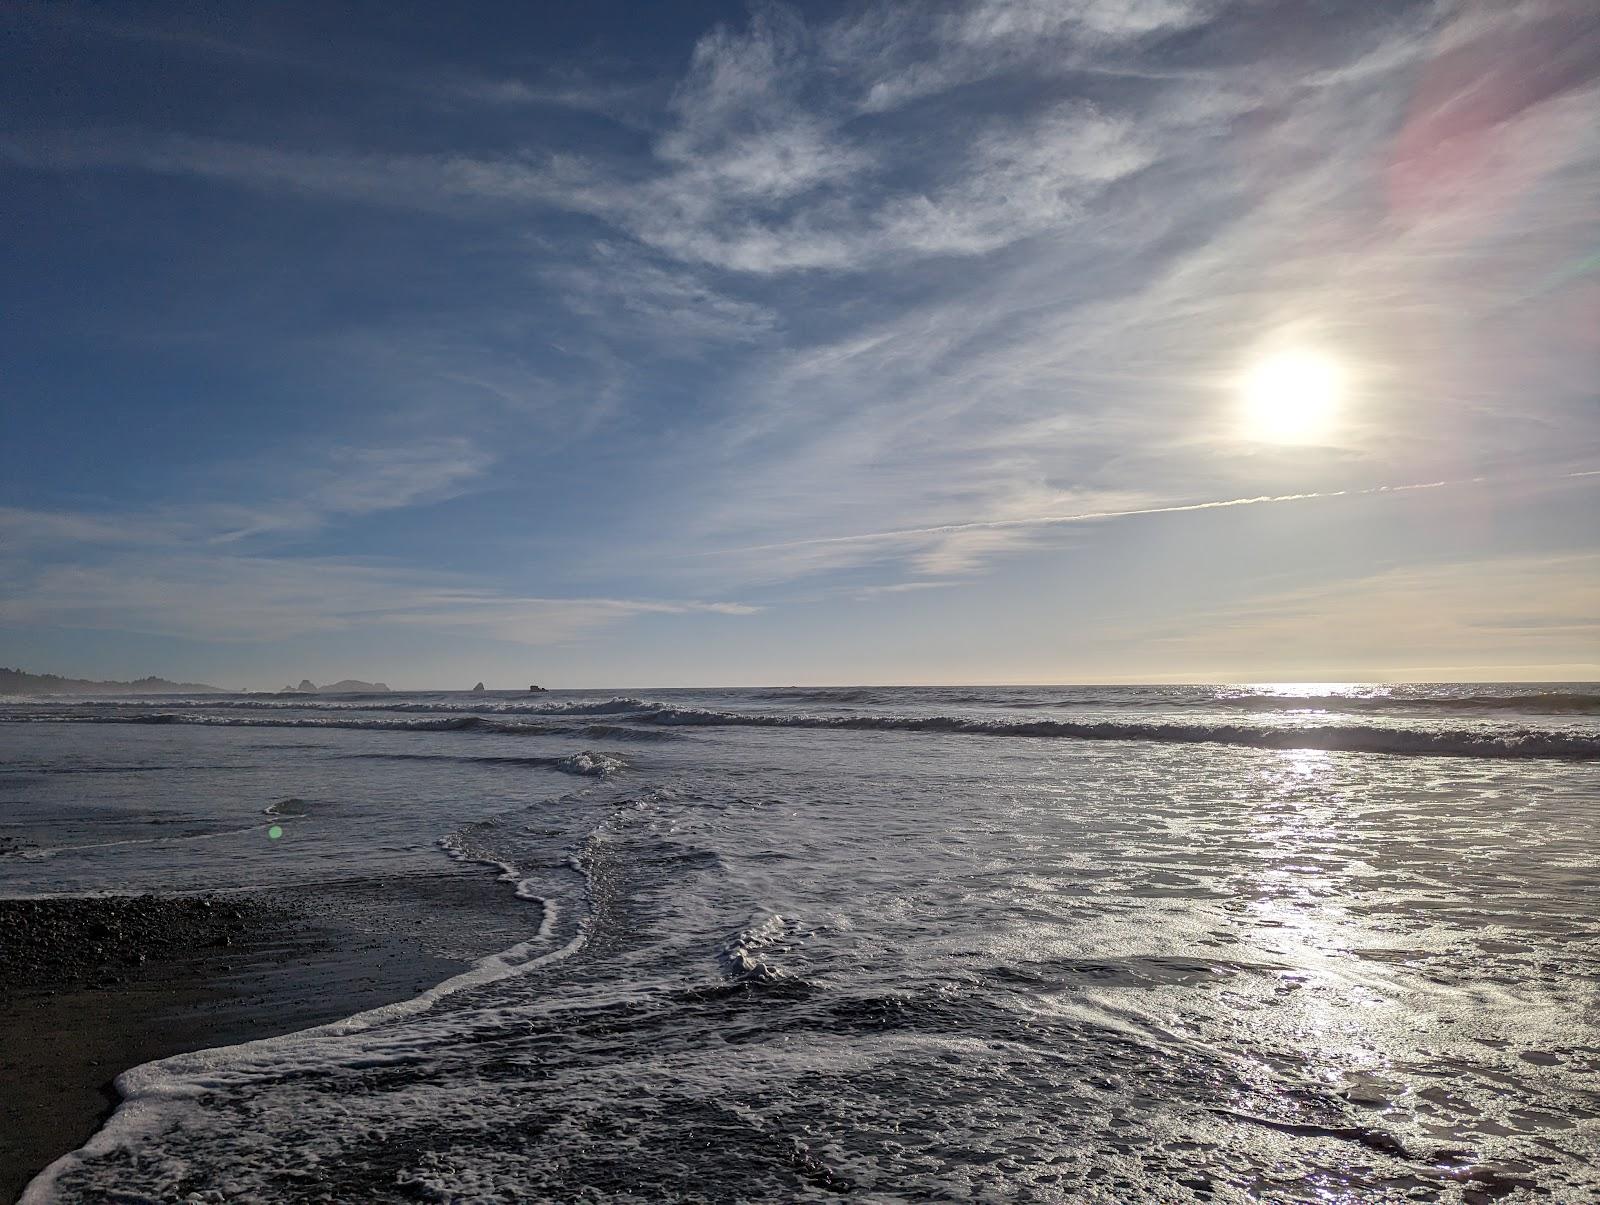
[479, 689]
[345, 686]
[535, 690]
[20, 682]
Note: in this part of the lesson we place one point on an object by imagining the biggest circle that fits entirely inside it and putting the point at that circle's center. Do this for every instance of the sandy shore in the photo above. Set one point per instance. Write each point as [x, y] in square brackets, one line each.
[92, 986]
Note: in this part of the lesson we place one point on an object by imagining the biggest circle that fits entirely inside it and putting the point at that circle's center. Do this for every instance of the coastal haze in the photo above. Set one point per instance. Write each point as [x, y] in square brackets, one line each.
[379, 380]
[1112, 944]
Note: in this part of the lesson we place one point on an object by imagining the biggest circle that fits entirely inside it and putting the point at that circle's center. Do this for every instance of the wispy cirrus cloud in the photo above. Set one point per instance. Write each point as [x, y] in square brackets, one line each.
[751, 173]
[633, 295]
[1103, 362]
[363, 481]
[273, 598]
[218, 571]
[350, 481]
[900, 55]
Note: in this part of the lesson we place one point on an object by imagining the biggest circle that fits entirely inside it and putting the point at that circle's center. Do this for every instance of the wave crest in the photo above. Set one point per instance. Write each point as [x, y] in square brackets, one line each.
[1349, 738]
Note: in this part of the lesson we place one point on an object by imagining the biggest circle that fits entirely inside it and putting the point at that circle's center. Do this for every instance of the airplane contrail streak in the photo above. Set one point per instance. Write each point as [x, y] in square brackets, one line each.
[1092, 515]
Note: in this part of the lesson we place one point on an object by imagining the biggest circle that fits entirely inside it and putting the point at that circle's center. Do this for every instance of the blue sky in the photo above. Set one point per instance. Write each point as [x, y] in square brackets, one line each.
[620, 344]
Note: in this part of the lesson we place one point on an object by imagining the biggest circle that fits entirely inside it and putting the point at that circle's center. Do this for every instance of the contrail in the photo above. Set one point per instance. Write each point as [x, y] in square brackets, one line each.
[1092, 515]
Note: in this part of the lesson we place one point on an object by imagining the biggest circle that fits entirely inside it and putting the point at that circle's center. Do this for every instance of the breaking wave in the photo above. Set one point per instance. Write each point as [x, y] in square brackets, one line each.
[1379, 701]
[1545, 703]
[447, 723]
[588, 763]
[1340, 737]
[593, 765]
[1347, 738]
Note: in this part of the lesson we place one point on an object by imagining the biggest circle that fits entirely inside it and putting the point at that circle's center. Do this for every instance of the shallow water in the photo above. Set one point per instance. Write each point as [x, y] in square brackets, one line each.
[1075, 944]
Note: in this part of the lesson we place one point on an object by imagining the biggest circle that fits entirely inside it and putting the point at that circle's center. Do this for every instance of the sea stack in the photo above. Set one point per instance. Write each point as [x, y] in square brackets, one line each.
[478, 689]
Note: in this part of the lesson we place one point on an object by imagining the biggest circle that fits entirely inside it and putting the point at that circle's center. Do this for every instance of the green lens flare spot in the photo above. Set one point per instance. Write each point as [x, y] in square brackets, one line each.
[274, 832]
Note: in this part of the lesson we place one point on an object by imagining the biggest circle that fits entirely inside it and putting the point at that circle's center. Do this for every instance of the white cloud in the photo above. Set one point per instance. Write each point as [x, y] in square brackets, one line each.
[1100, 362]
[753, 174]
[1000, 22]
[347, 481]
[185, 571]
[356, 481]
[636, 296]
[902, 54]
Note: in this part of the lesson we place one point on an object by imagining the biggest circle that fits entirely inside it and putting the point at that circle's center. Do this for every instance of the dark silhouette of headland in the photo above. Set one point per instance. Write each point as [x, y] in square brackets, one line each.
[20, 682]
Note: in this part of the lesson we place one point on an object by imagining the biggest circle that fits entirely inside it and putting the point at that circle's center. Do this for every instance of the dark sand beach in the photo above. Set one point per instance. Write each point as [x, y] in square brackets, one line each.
[92, 986]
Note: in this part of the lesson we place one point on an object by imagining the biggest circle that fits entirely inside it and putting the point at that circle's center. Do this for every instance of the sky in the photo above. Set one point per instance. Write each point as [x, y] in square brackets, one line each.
[712, 344]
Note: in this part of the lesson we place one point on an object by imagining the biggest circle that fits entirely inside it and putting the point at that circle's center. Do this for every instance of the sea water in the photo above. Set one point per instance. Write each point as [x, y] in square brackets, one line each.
[1114, 944]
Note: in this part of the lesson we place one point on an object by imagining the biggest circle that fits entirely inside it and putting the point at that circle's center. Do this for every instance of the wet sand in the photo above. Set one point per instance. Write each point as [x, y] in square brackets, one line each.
[91, 987]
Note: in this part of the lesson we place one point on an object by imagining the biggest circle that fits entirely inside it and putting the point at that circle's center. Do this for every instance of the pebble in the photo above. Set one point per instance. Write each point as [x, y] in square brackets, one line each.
[46, 943]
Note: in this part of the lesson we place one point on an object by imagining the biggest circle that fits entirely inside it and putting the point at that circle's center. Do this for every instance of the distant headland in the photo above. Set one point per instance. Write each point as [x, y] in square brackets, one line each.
[20, 682]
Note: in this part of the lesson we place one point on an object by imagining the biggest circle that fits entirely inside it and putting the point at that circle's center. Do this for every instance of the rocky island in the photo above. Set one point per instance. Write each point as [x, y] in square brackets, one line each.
[345, 686]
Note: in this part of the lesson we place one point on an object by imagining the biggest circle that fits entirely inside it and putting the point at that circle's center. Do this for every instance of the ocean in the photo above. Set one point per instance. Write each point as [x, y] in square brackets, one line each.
[1077, 944]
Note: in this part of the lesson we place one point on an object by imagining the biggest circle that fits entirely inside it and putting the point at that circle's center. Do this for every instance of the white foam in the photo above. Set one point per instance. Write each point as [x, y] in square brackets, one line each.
[747, 950]
[595, 765]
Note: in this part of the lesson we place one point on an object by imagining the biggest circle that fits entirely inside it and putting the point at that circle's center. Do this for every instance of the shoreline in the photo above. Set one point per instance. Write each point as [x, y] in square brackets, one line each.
[92, 986]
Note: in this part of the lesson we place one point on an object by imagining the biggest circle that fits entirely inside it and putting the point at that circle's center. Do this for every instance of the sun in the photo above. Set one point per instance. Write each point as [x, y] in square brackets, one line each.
[1291, 396]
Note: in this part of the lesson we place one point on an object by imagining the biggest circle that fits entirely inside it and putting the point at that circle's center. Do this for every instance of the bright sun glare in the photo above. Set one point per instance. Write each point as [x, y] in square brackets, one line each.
[1291, 396]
